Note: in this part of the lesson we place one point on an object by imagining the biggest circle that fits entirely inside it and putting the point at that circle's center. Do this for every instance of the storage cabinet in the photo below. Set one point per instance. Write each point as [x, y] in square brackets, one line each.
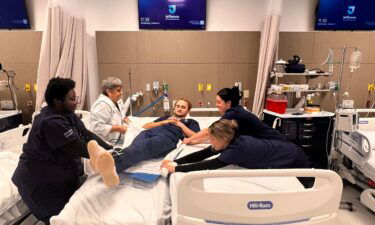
[312, 134]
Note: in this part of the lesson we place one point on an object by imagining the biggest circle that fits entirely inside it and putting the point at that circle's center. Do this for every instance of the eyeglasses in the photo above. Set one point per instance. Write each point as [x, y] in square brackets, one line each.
[76, 99]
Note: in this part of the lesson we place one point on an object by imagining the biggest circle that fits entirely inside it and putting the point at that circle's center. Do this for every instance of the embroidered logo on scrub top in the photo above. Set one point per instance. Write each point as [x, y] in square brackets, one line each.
[68, 133]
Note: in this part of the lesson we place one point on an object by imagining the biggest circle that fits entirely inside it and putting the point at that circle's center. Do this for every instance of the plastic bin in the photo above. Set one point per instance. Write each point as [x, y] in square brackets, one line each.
[277, 106]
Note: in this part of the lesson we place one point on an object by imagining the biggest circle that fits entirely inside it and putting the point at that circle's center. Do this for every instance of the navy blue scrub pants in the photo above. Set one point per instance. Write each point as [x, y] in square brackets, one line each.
[45, 200]
[147, 145]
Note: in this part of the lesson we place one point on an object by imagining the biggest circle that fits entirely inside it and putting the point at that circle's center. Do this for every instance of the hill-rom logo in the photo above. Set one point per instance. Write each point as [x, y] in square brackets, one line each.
[351, 9]
[172, 9]
[259, 205]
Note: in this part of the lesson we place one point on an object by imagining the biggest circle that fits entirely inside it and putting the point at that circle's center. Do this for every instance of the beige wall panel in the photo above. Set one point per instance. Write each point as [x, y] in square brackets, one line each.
[359, 81]
[158, 46]
[239, 47]
[294, 43]
[116, 47]
[199, 47]
[20, 47]
[325, 40]
[245, 73]
[192, 75]
[366, 43]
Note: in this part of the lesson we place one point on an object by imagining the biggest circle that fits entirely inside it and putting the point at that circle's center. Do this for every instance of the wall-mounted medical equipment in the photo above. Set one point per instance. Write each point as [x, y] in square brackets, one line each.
[9, 84]
[155, 87]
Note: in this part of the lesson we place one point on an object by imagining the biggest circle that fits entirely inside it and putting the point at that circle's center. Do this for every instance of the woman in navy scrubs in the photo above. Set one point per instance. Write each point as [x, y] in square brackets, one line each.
[242, 150]
[49, 168]
[227, 102]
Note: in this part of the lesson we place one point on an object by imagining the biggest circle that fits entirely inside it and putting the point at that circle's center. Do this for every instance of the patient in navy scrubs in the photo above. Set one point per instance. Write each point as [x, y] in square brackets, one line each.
[241, 150]
[50, 166]
[159, 138]
[228, 104]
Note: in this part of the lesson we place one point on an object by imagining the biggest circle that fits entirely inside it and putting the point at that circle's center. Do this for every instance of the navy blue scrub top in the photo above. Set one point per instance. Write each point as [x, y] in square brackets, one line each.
[41, 153]
[249, 124]
[174, 131]
[253, 153]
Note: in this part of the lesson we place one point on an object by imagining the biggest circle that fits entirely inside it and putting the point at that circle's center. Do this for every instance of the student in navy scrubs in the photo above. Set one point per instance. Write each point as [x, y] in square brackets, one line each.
[242, 150]
[159, 138]
[49, 168]
[227, 102]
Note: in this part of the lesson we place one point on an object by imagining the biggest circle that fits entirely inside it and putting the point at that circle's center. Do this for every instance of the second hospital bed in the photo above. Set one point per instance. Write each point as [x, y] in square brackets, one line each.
[12, 207]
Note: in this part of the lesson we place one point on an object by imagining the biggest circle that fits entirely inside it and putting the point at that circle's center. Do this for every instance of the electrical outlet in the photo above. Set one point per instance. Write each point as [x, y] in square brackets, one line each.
[27, 87]
[209, 87]
[200, 87]
[29, 103]
[246, 93]
[239, 85]
[200, 103]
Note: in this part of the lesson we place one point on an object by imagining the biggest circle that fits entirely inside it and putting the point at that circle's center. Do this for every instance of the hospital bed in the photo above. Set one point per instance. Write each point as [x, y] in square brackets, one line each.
[132, 202]
[137, 202]
[12, 207]
[353, 152]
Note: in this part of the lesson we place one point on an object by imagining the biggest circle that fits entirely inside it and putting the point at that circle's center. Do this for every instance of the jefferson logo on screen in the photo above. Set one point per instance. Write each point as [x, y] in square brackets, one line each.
[259, 205]
[350, 17]
[172, 9]
[351, 9]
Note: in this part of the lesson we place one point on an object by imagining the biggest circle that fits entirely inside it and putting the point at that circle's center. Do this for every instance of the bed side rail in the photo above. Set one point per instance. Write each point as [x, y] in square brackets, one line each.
[316, 205]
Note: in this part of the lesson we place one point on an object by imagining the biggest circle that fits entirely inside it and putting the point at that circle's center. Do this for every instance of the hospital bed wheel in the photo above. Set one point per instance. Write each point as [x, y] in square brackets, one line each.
[348, 205]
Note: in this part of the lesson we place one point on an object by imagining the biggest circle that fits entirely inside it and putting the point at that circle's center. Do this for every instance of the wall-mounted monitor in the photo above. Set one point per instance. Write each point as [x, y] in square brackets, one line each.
[13, 15]
[345, 15]
[172, 14]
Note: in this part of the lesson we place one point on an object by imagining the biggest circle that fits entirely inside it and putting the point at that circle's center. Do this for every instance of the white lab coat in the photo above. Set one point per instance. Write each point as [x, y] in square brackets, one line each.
[103, 115]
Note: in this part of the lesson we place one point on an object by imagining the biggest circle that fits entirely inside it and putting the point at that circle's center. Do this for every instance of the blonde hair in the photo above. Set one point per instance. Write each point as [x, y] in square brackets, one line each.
[223, 129]
[185, 100]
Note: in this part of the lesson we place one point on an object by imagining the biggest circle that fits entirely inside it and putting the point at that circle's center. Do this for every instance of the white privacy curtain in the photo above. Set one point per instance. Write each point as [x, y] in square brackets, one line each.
[269, 41]
[63, 52]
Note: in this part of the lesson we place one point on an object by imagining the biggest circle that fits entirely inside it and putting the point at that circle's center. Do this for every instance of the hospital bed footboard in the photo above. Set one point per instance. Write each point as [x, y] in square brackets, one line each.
[316, 205]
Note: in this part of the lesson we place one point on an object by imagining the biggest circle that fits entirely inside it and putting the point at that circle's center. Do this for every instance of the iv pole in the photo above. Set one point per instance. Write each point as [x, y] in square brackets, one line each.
[131, 90]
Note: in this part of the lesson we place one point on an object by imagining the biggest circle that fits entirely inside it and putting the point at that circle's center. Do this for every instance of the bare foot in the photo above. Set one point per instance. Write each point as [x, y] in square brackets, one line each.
[102, 162]
[93, 153]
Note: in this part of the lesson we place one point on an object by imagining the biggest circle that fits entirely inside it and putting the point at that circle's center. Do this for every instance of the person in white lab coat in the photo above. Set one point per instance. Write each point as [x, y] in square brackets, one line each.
[107, 114]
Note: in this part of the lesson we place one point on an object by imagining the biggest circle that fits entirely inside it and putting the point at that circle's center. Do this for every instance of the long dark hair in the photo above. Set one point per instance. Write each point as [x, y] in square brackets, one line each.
[233, 95]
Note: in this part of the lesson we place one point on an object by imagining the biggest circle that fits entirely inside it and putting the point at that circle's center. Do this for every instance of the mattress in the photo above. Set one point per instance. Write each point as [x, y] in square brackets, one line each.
[132, 202]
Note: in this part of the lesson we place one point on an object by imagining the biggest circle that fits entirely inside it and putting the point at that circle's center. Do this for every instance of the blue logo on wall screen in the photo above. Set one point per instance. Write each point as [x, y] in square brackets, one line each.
[351, 9]
[172, 9]
[259, 205]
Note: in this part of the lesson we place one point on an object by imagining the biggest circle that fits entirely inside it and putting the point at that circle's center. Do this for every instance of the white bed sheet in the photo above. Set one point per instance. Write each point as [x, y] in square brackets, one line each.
[132, 202]
[11, 204]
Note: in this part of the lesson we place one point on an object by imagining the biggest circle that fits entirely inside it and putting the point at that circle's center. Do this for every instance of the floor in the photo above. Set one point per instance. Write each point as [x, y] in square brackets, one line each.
[361, 215]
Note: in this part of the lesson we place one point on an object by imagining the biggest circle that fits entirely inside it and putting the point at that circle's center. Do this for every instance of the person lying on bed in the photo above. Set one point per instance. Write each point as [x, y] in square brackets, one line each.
[242, 150]
[159, 138]
[228, 104]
